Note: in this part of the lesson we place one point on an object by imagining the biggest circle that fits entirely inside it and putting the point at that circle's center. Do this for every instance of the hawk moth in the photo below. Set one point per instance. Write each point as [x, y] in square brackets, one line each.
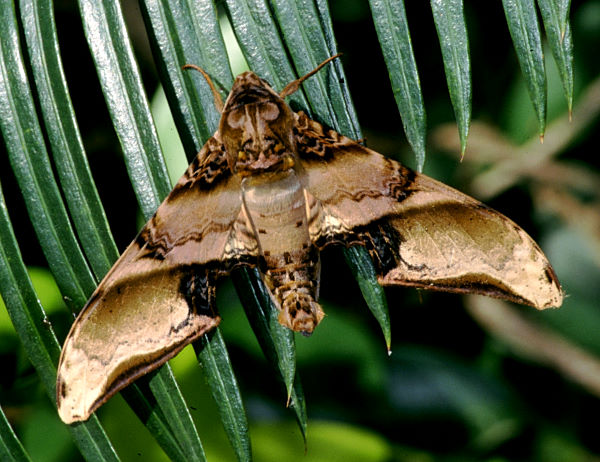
[270, 189]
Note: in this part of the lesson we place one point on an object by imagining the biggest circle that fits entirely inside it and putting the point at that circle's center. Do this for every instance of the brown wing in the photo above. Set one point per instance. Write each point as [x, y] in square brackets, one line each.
[159, 295]
[419, 232]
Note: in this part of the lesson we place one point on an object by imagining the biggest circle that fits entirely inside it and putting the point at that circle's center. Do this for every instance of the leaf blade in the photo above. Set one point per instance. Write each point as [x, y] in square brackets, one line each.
[269, 55]
[186, 32]
[319, 37]
[452, 33]
[60, 123]
[525, 32]
[128, 106]
[276, 341]
[37, 337]
[53, 233]
[341, 113]
[140, 398]
[307, 34]
[173, 407]
[394, 36]
[560, 39]
[213, 355]
[31, 165]
[256, 32]
[364, 272]
[564, 7]
[11, 448]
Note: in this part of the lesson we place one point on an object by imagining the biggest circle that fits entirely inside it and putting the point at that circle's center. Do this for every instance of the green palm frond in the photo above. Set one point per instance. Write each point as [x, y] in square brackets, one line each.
[280, 39]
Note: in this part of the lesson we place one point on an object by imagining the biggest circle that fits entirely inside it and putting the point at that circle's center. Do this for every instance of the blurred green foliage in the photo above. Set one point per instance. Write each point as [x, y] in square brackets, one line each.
[456, 387]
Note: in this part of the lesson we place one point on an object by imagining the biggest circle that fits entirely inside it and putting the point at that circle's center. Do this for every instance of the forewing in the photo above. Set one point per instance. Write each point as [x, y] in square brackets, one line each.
[159, 295]
[130, 327]
[437, 243]
[419, 232]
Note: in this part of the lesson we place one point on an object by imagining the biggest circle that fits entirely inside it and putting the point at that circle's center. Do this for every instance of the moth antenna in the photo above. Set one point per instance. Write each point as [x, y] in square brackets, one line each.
[294, 85]
[215, 92]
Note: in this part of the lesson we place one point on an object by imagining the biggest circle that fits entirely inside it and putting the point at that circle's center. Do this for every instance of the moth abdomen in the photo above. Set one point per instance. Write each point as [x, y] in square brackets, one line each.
[292, 278]
[296, 293]
[301, 313]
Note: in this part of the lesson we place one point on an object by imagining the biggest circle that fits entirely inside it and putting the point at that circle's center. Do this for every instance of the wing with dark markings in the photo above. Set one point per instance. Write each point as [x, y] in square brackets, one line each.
[159, 296]
[419, 232]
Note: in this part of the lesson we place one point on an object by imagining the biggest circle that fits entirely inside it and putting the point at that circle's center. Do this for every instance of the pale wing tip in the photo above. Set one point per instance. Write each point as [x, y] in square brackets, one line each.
[553, 299]
[550, 294]
[73, 402]
[70, 416]
[71, 410]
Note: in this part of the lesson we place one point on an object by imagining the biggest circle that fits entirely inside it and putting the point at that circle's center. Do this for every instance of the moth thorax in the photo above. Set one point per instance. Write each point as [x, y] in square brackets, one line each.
[258, 136]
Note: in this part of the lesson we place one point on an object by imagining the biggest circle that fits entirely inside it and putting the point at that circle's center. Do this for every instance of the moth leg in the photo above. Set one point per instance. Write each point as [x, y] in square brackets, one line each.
[292, 280]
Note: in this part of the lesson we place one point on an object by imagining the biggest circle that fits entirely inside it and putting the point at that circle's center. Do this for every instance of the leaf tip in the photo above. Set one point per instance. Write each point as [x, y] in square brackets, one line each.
[463, 135]
[419, 150]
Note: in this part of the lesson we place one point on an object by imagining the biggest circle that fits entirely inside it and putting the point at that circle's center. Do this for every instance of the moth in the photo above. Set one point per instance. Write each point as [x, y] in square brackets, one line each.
[270, 189]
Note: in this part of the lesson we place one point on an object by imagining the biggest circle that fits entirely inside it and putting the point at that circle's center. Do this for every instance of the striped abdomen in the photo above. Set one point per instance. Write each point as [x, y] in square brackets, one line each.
[276, 207]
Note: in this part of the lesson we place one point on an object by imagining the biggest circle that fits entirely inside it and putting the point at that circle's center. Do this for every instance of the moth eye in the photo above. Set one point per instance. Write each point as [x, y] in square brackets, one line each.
[236, 119]
[269, 111]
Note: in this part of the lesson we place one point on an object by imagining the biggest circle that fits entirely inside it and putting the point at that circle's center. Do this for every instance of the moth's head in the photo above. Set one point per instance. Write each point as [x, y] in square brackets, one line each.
[256, 128]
